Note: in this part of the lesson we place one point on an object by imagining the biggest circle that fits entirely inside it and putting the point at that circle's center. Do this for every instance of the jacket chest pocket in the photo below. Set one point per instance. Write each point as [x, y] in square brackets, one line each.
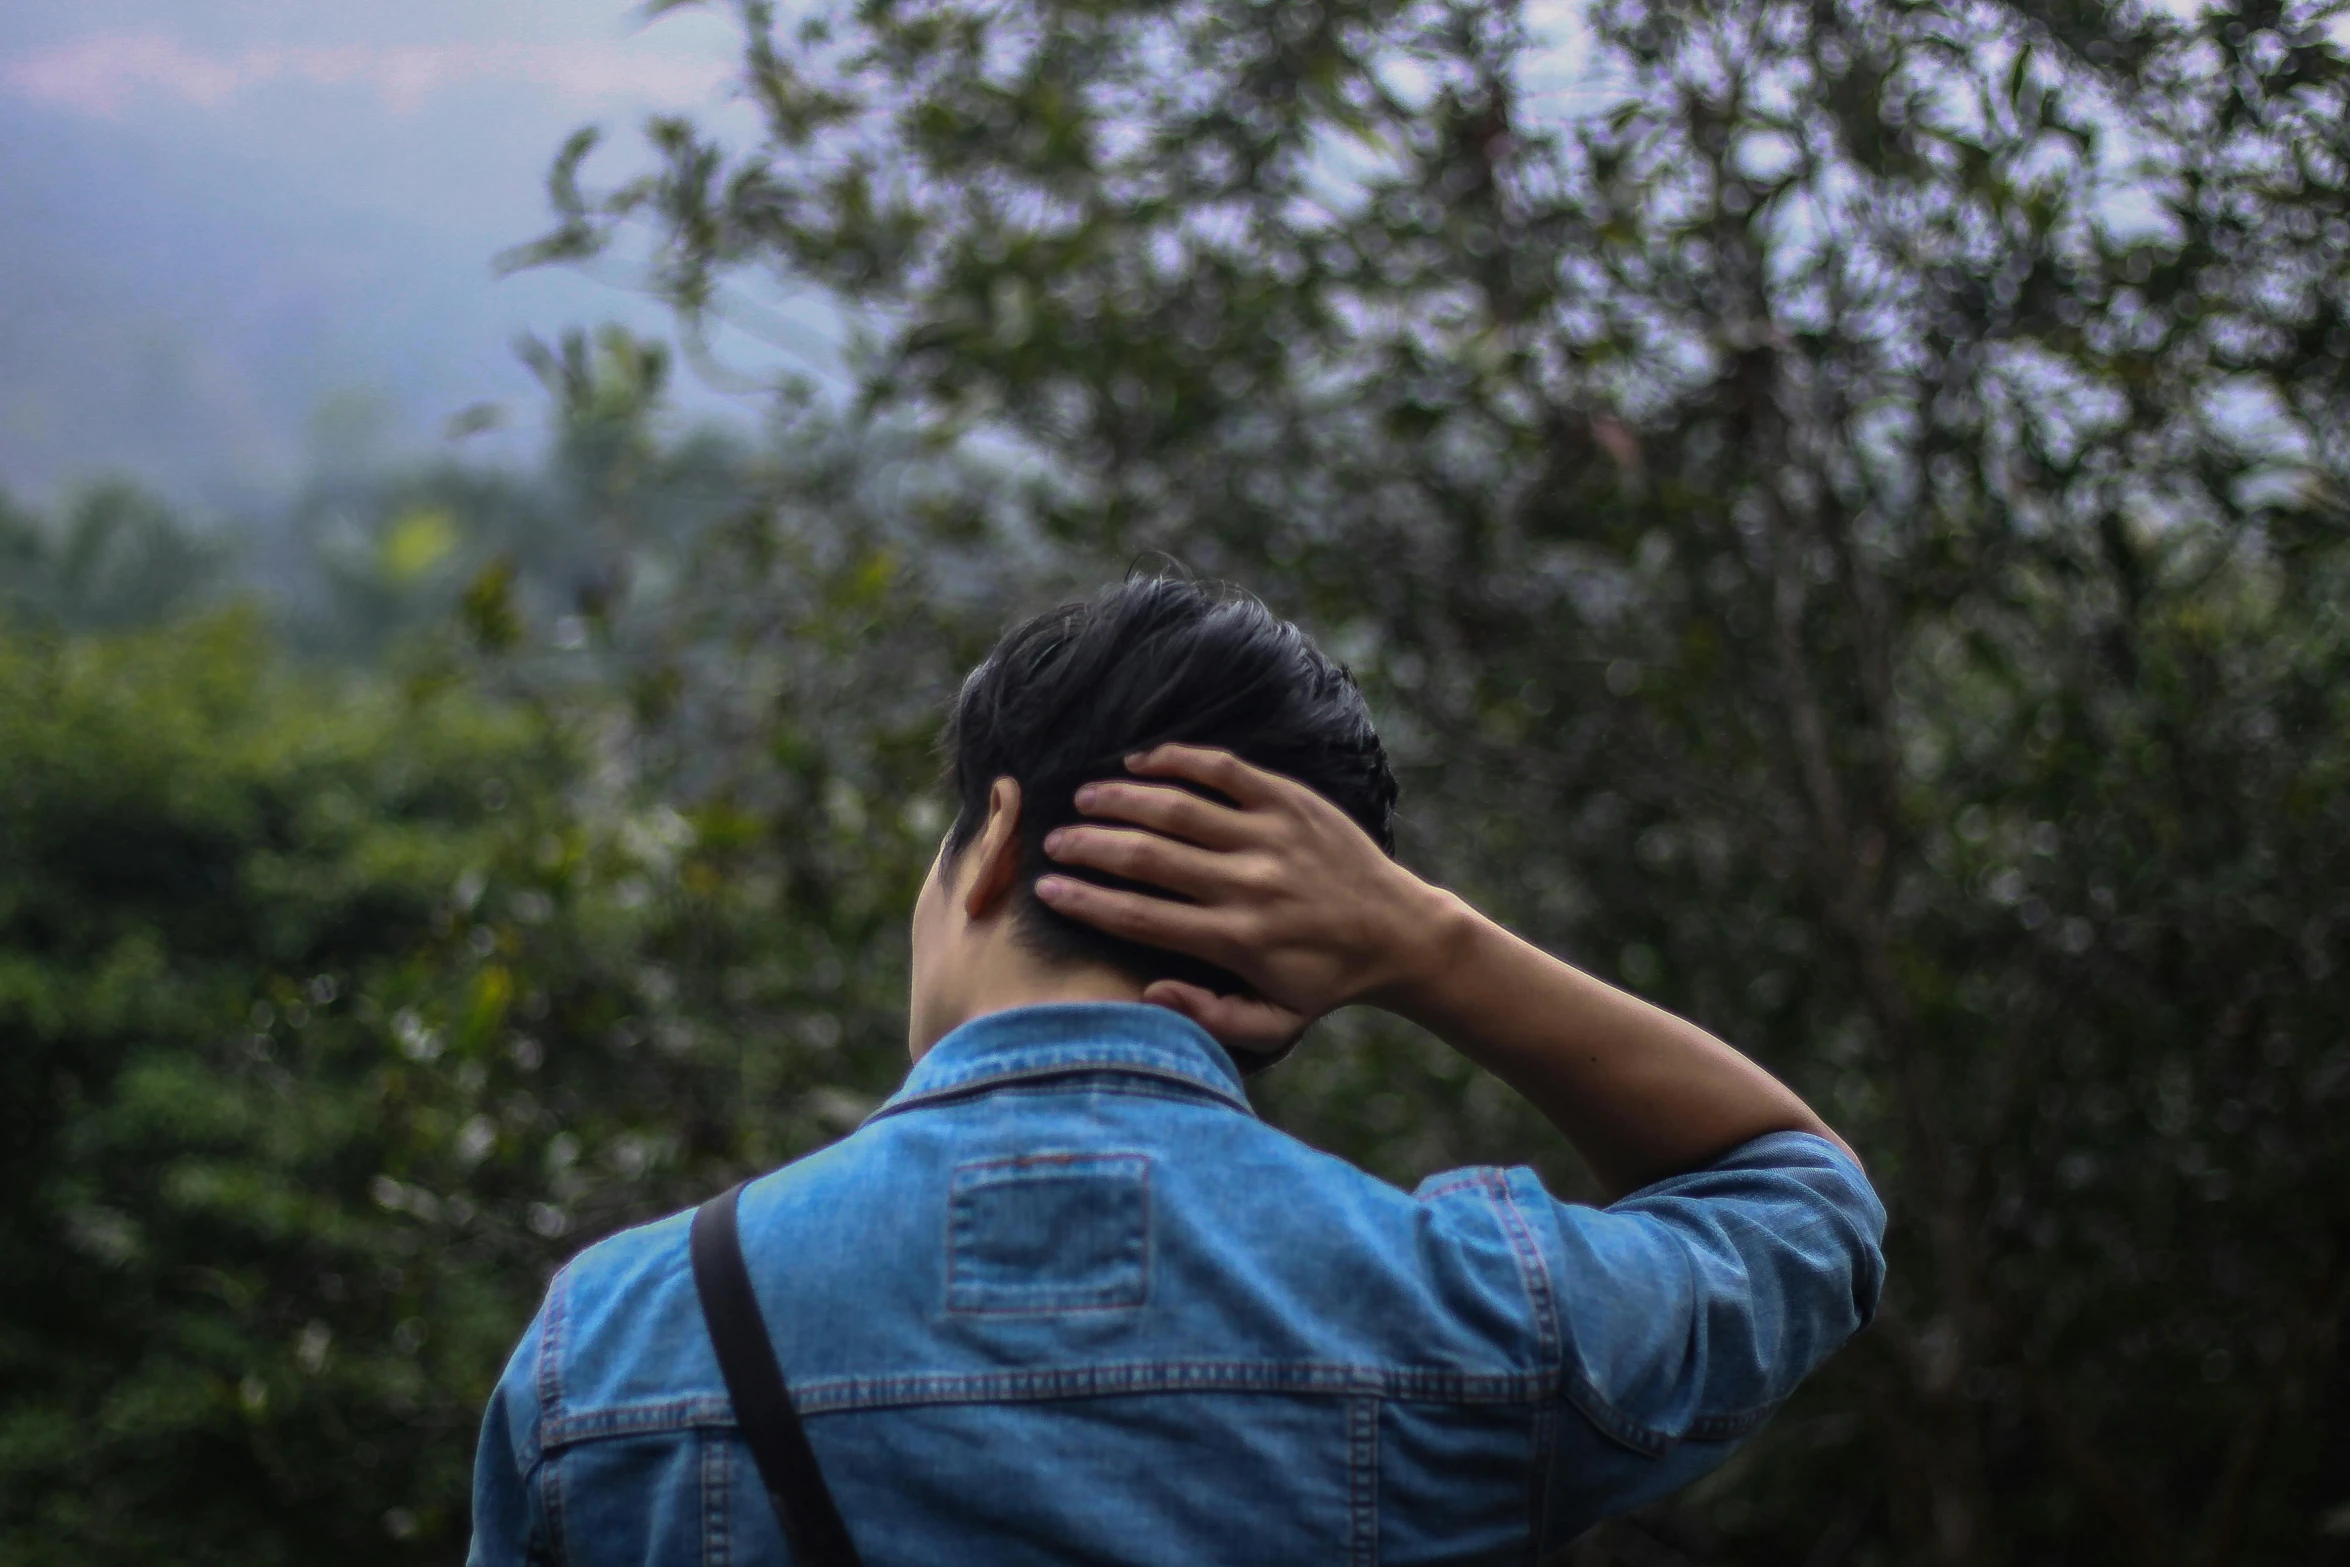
[1049, 1232]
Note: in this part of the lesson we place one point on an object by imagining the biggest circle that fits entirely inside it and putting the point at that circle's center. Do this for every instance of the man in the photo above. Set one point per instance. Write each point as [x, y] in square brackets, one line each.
[1065, 1299]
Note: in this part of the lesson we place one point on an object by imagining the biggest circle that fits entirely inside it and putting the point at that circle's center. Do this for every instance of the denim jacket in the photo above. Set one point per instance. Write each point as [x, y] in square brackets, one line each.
[1065, 1299]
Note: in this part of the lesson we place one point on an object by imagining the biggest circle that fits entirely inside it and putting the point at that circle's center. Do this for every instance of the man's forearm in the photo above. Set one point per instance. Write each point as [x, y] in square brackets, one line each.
[1286, 891]
[1641, 1093]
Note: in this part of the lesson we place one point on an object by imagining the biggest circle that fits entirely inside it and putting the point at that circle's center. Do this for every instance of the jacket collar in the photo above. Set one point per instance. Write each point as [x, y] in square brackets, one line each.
[1061, 1038]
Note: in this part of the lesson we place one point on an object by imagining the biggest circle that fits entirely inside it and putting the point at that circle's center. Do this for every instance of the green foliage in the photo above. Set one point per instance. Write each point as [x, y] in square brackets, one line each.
[1850, 542]
[346, 1003]
[223, 895]
[590, 542]
[117, 557]
[332, 1011]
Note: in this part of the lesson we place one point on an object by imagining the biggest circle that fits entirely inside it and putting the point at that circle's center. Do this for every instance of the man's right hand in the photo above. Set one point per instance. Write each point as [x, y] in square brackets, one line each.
[1283, 889]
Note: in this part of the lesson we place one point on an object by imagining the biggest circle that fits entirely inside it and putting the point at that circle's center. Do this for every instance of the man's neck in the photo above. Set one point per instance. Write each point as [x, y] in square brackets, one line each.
[1021, 980]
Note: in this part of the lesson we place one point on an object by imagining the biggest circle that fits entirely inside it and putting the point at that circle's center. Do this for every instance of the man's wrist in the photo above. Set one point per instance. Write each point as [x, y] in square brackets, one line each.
[1438, 932]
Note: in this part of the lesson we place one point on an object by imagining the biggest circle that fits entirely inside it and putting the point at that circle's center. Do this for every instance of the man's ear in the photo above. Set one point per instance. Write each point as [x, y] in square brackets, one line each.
[995, 853]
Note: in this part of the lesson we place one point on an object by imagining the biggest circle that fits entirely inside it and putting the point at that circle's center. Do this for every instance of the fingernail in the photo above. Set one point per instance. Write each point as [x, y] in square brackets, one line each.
[1137, 758]
[1049, 888]
[1086, 796]
[1055, 839]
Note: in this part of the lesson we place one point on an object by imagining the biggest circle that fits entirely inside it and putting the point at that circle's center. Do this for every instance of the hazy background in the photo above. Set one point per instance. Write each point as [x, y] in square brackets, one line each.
[245, 243]
[242, 241]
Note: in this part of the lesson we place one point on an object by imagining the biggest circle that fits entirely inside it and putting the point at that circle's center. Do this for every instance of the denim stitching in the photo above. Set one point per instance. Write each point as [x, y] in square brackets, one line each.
[550, 1399]
[1538, 1484]
[677, 1414]
[1580, 1391]
[980, 1083]
[1653, 1441]
[551, 1504]
[547, 1376]
[840, 1395]
[1435, 1384]
[933, 1073]
[1362, 1481]
[1093, 1053]
[1594, 1405]
[1068, 1157]
[1535, 1270]
[1457, 1181]
[1058, 1307]
[1047, 1088]
[717, 1550]
[1531, 1265]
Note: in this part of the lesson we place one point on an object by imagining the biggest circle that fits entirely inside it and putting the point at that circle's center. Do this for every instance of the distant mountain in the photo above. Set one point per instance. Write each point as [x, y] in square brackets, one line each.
[246, 241]
[227, 259]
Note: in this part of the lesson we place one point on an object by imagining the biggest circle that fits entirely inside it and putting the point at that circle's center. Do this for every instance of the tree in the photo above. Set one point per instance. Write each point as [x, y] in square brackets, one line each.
[338, 1008]
[1849, 541]
[345, 1001]
[117, 557]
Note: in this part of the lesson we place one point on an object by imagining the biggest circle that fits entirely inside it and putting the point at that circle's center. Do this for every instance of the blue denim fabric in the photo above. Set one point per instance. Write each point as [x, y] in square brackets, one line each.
[1064, 1298]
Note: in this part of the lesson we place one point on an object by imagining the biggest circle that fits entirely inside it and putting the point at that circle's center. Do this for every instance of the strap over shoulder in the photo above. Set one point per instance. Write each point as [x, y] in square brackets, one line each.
[754, 1381]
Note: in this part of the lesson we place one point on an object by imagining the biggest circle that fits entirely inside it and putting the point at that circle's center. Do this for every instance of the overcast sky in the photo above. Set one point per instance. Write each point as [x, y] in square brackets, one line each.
[238, 239]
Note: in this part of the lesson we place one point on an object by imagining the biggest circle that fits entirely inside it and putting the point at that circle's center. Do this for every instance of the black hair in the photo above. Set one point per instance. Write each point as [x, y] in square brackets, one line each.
[1067, 695]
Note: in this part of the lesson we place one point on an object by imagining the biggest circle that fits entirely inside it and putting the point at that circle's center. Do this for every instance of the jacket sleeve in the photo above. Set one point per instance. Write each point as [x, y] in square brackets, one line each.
[1689, 1310]
[507, 1528]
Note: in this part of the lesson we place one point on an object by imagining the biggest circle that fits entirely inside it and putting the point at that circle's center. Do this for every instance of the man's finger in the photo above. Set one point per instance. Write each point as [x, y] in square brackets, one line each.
[1219, 769]
[1163, 808]
[1137, 916]
[1251, 1028]
[1195, 1002]
[1137, 855]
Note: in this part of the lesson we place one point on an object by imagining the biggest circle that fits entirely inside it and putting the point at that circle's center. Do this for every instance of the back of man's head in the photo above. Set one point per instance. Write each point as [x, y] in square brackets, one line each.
[1068, 695]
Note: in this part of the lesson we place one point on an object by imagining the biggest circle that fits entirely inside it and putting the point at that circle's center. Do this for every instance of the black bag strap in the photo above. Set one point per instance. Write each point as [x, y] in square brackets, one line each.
[762, 1406]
